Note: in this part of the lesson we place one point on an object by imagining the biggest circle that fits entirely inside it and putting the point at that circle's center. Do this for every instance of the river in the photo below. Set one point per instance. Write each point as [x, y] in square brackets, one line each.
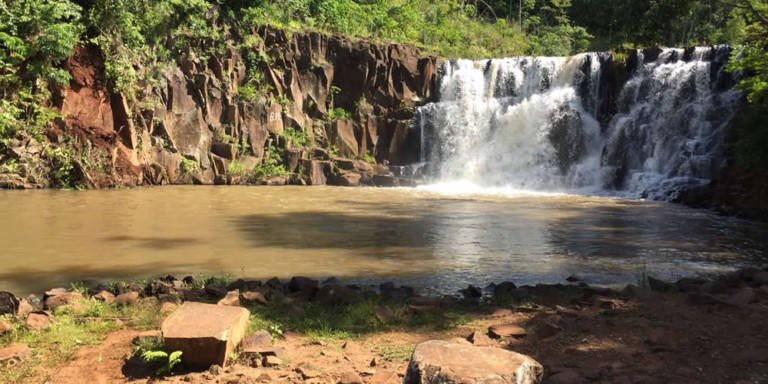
[421, 237]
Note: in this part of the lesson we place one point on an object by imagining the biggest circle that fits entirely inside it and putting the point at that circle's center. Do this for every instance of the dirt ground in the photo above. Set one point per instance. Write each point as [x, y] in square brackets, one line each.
[647, 338]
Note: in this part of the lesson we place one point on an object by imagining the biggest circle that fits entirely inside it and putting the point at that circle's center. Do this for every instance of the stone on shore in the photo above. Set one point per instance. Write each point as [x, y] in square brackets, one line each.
[250, 297]
[62, 299]
[207, 334]
[38, 320]
[105, 296]
[13, 354]
[506, 330]
[128, 298]
[231, 299]
[438, 361]
[9, 304]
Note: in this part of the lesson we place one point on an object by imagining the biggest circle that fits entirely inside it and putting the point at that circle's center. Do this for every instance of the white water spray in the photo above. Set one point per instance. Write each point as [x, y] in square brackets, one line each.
[532, 123]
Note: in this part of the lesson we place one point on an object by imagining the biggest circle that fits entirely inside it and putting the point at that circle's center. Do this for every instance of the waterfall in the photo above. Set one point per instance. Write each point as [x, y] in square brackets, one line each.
[573, 124]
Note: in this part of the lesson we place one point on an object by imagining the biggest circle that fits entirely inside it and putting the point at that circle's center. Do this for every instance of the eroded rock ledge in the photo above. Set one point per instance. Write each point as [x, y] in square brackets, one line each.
[326, 108]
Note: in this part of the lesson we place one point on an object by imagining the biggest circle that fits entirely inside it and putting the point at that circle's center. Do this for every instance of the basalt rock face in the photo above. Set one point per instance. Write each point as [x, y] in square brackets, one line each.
[197, 125]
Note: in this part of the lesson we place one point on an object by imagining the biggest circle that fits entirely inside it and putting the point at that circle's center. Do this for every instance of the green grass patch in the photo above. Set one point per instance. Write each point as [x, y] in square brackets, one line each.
[84, 323]
[329, 322]
[395, 352]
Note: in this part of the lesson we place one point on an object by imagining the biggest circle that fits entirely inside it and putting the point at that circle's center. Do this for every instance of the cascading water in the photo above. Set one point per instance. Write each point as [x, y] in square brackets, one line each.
[556, 124]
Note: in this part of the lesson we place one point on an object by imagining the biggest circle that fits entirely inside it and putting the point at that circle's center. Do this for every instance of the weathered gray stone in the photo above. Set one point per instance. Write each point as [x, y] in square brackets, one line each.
[206, 334]
[445, 362]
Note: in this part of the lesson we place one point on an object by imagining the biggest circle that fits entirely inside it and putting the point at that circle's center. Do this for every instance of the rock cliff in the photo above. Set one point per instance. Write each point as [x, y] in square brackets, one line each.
[304, 108]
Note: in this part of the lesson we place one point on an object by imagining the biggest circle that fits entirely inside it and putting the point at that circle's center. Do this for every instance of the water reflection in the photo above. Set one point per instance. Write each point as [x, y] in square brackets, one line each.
[417, 237]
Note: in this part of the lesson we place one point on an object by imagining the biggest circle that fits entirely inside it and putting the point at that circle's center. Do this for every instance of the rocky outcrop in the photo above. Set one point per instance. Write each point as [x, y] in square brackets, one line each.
[452, 362]
[267, 104]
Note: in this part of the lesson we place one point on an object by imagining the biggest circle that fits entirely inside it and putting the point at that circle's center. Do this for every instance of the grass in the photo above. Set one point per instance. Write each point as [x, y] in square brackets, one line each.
[328, 323]
[395, 352]
[85, 323]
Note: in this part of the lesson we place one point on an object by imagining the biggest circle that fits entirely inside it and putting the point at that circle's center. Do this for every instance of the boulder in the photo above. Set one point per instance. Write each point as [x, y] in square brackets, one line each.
[472, 292]
[480, 339]
[504, 290]
[232, 299]
[105, 296]
[9, 304]
[333, 294]
[385, 181]
[346, 179]
[25, 308]
[14, 354]
[316, 171]
[128, 298]
[304, 286]
[257, 341]
[62, 299]
[244, 285]
[207, 334]
[251, 297]
[38, 320]
[506, 330]
[438, 361]
[350, 377]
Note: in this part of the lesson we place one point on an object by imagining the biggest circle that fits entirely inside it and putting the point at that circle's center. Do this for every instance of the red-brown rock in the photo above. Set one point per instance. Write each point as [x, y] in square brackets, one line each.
[445, 362]
[206, 334]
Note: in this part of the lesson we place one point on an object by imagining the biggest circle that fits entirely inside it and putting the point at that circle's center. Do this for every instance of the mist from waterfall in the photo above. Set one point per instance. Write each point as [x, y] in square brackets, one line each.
[551, 124]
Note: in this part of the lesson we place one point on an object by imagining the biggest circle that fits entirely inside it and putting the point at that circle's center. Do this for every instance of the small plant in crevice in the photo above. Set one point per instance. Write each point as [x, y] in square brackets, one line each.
[272, 165]
[338, 114]
[166, 360]
[189, 166]
[296, 137]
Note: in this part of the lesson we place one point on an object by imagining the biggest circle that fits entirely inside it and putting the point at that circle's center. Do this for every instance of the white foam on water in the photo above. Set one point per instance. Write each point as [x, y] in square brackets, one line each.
[530, 124]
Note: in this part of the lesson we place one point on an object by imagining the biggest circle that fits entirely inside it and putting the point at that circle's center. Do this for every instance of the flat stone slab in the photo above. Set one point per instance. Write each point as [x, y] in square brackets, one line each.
[438, 361]
[206, 334]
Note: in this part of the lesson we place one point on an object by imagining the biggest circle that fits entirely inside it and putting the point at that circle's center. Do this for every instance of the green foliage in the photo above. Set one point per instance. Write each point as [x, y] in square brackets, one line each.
[753, 136]
[342, 321]
[272, 165]
[296, 137]
[338, 114]
[189, 166]
[34, 37]
[137, 35]
[452, 27]
[167, 361]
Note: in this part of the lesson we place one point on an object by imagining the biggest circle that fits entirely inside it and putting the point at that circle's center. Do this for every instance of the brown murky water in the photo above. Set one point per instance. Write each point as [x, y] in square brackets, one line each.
[430, 240]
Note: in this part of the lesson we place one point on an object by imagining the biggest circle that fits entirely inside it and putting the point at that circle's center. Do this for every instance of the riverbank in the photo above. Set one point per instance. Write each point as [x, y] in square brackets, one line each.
[689, 331]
